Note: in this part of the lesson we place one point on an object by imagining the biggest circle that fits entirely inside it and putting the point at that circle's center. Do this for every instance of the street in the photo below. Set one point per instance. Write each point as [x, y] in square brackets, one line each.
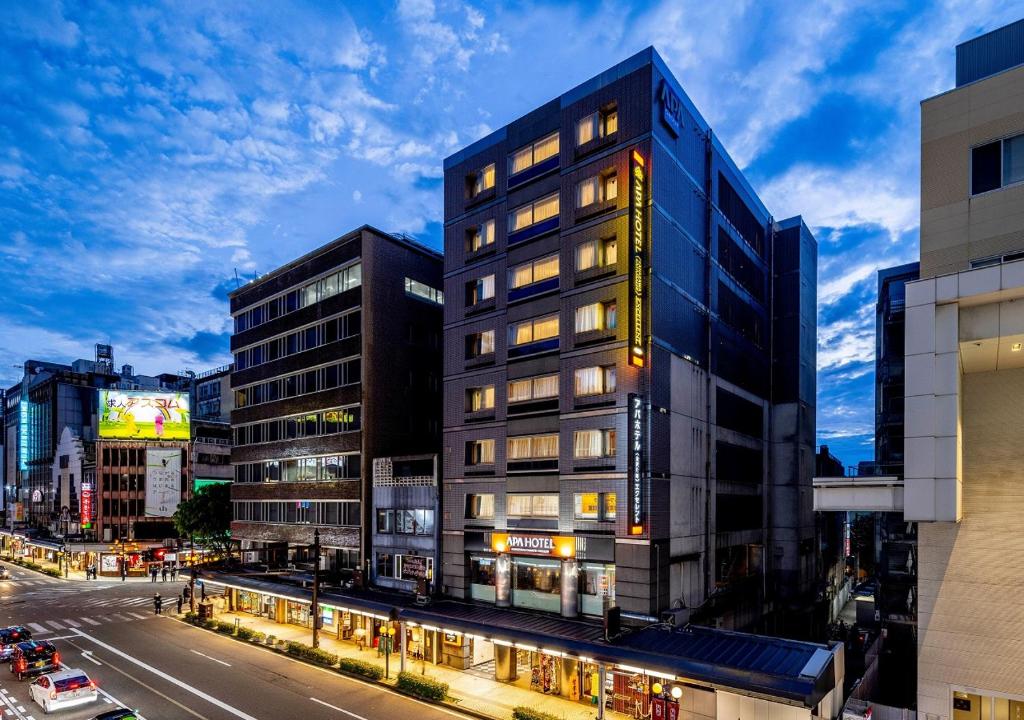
[168, 670]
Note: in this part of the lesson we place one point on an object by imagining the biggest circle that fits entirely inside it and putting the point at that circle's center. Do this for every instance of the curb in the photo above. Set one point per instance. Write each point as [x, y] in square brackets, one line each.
[352, 676]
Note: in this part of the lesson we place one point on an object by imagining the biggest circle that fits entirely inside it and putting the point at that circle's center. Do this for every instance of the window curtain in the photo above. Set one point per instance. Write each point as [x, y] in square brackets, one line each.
[522, 275]
[545, 208]
[518, 448]
[486, 342]
[521, 218]
[586, 129]
[587, 318]
[546, 327]
[519, 390]
[520, 505]
[611, 187]
[522, 333]
[610, 318]
[586, 255]
[486, 448]
[522, 159]
[545, 446]
[545, 505]
[545, 387]
[611, 255]
[586, 192]
[587, 443]
[588, 381]
[545, 268]
[545, 148]
[485, 288]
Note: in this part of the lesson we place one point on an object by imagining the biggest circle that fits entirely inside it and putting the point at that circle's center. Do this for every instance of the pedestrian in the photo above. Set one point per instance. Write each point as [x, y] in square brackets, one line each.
[158, 604]
[174, 573]
[202, 588]
[163, 574]
[124, 571]
[181, 601]
[152, 573]
[187, 593]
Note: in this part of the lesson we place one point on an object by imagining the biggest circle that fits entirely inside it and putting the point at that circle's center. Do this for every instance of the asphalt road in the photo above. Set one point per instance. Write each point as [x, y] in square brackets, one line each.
[168, 670]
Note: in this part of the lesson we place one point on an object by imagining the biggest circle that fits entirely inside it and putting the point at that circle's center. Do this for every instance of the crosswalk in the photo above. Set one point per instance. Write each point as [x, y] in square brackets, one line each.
[44, 628]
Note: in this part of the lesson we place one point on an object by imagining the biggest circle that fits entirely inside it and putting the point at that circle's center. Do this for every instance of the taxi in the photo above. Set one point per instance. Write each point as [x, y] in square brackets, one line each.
[63, 689]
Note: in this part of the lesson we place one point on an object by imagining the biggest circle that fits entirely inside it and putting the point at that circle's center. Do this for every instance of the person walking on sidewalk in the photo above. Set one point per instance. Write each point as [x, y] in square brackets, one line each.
[174, 572]
[181, 601]
[163, 574]
[158, 605]
[152, 573]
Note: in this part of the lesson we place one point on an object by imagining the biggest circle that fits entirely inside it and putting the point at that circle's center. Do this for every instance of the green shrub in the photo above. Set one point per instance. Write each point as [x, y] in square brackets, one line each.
[361, 667]
[422, 687]
[225, 627]
[312, 654]
[271, 640]
[53, 573]
[254, 635]
[191, 617]
[210, 624]
[528, 713]
[245, 633]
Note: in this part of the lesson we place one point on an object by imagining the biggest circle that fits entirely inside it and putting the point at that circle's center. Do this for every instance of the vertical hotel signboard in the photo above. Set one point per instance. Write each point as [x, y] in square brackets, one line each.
[637, 428]
[637, 252]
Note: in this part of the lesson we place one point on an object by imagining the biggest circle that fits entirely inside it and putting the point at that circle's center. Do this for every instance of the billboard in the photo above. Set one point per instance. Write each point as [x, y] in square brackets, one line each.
[86, 504]
[133, 415]
[163, 481]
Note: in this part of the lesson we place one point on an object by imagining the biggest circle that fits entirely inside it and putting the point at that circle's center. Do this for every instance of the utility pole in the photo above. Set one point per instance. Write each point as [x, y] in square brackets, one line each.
[316, 587]
[192, 573]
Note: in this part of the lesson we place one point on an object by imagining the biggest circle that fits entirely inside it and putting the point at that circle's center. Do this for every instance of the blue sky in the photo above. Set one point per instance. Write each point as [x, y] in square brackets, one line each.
[148, 152]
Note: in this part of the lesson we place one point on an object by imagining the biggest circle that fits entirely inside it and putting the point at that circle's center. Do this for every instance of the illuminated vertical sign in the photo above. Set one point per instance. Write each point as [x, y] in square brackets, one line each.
[85, 506]
[637, 240]
[23, 431]
[636, 464]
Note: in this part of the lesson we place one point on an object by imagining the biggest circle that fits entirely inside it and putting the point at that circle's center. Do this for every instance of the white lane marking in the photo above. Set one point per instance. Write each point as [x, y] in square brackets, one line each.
[55, 625]
[72, 623]
[87, 654]
[89, 620]
[39, 628]
[209, 658]
[137, 616]
[61, 637]
[121, 617]
[335, 707]
[169, 678]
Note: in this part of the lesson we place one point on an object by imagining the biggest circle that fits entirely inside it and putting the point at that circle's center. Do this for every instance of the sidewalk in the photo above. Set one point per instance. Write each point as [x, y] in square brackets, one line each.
[79, 575]
[475, 694]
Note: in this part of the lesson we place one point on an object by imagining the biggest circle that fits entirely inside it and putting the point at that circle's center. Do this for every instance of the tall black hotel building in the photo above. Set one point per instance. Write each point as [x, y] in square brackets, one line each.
[629, 366]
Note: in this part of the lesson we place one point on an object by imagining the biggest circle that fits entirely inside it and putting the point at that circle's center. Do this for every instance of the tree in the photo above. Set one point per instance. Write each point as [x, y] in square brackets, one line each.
[207, 517]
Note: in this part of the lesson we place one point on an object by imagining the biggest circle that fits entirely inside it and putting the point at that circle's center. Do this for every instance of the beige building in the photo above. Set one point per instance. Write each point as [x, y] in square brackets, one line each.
[964, 475]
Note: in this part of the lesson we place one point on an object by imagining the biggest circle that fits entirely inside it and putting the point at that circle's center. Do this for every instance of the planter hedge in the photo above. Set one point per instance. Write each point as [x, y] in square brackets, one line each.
[307, 652]
[422, 687]
[361, 667]
[244, 633]
[528, 713]
[225, 627]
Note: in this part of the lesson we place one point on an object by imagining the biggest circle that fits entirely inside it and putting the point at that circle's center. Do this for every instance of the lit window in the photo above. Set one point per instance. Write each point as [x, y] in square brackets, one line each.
[480, 452]
[535, 330]
[533, 213]
[481, 236]
[596, 253]
[593, 443]
[534, 271]
[587, 506]
[482, 179]
[599, 124]
[424, 291]
[481, 343]
[532, 154]
[595, 380]
[537, 388]
[609, 506]
[596, 316]
[596, 189]
[479, 290]
[531, 447]
[480, 507]
[480, 398]
[526, 506]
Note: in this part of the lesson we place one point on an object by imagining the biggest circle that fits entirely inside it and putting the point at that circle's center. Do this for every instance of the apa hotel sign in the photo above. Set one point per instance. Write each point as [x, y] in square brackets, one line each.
[671, 109]
[635, 474]
[518, 544]
[637, 252]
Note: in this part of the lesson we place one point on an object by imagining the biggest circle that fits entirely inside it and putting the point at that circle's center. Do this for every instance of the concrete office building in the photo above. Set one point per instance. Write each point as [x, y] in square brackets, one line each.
[336, 362]
[629, 366]
[211, 427]
[965, 388]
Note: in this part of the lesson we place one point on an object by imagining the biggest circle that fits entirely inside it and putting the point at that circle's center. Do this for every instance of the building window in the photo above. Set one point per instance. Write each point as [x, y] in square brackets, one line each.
[421, 290]
[480, 452]
[599, 124]
[537, 388]
[597, 189]
[321, 289]
[595, 380]
[480, 398]
[535, 212]
[535, 330]
[411, 521]
[530, 155]
[482, 179]
[997, 164]
[537, 506]
[479, 290]
[480, 236]
[594, 506]
[533, 272]
[385, 522]
[480, 506]
[479, 344]
[385, 565]
[596, 253]
[593, 444]
[596, 316]
[533, 447]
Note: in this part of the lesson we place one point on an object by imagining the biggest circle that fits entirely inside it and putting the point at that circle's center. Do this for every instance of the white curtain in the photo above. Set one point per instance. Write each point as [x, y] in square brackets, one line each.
[587, 443]
[545, 268]
[522, 333]
[545, 327]
[486, 451]
[518, 448]
[519, 390]
[611, 122]
[545, 148]
[486, 342]
[545, 446]
[522, 159]
[588, 381]
[587, 317]
[611, 188]
[545, 387]
[611, 255]
[545, 505]
[586, 129]
[521, 218]
[485, 288]
[522, 275]
[586, 255]
[586, 192]
[520, 505]
[545, 208]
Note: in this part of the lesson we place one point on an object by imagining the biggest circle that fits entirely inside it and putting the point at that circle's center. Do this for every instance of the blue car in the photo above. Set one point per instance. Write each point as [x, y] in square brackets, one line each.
[11, 636]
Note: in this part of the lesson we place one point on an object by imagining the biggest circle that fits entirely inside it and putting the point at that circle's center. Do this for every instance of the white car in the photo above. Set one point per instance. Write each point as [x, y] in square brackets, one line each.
[63, 689]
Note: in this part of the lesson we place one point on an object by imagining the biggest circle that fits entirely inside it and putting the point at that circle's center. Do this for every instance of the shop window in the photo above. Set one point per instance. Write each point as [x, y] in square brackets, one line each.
[481, 578]
[537, 584]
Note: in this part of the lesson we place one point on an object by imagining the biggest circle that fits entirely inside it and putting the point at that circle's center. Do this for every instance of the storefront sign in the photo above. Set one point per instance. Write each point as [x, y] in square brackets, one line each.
[452, 638]
[414, 567]
[637, 271]
[658, 709]
[163, 481]
[673, 710]
[558, 545]
[636, 464]
[85, 506]
[671, 109]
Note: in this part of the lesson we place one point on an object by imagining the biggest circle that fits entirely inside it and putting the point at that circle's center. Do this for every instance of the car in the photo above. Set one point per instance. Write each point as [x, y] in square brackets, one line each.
[11, 636]
[63, 689]
[34, 657]
[122, 714]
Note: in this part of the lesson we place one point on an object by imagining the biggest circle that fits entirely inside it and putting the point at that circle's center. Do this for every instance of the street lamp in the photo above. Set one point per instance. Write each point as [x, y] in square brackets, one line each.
[316, 587]
[387, 633]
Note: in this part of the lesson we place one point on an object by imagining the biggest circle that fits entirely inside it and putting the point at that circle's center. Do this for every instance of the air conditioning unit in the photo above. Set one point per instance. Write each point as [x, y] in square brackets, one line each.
[676, 616]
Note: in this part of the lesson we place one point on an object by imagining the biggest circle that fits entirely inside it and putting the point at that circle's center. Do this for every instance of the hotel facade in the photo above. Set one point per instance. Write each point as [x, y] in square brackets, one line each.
[629, 363]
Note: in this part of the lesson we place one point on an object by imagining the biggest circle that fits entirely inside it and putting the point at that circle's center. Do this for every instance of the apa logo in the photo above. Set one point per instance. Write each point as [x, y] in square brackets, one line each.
[671, 109]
